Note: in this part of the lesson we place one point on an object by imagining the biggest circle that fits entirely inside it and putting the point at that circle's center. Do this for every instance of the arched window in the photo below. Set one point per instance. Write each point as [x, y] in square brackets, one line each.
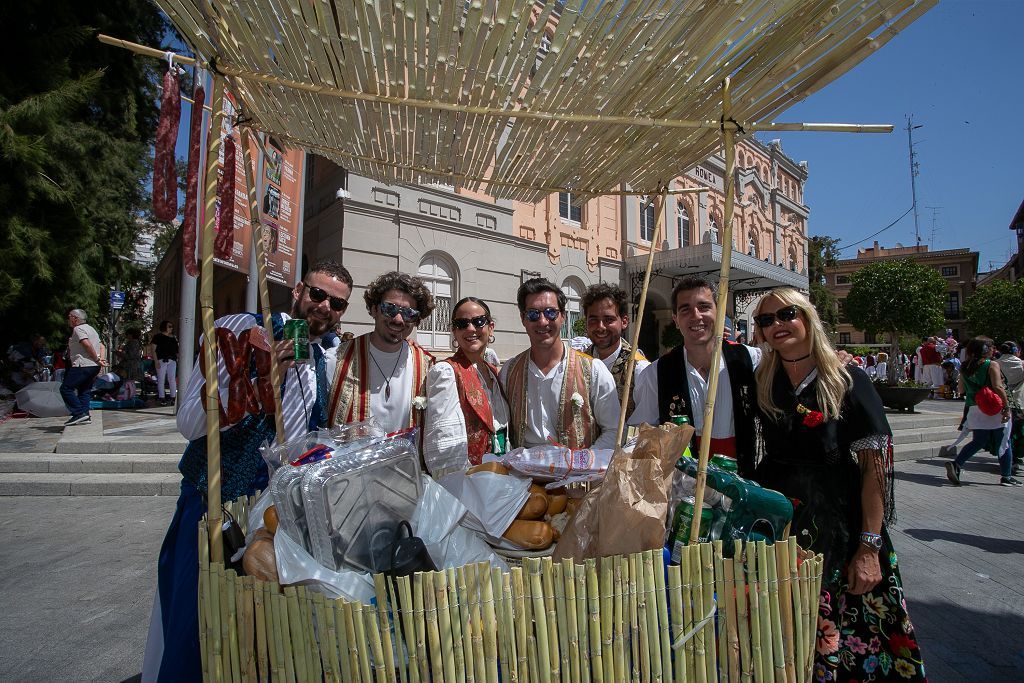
[439, 275]
[647, 219]
[752, 246]
[682, 225]
[573, 289]
[711, 234]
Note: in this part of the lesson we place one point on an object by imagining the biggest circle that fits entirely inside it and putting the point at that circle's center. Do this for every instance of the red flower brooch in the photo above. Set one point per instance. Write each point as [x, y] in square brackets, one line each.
[812, 418]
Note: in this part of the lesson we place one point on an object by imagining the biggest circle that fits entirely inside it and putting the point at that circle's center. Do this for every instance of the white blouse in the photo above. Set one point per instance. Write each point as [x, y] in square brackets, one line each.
[445, 444]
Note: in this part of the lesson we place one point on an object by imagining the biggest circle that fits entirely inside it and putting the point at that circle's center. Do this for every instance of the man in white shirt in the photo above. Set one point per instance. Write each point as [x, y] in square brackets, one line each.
[555, 393]
[382, 374]
[84, 362]
[677, 383]
[607, 317]
[246, 421]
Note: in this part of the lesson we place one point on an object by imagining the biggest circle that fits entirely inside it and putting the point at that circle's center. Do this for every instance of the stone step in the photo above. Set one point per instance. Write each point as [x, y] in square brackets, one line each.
[920, 451]
[138, 463]
[75, 484]
[122, 444]
[917, 436]
[900, 422]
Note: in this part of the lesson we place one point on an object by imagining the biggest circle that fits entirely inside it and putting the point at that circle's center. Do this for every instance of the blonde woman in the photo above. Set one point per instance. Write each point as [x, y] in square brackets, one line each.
[827, 447]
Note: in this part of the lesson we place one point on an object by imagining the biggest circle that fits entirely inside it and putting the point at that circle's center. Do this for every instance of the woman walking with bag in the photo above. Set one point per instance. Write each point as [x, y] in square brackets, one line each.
[988, 411]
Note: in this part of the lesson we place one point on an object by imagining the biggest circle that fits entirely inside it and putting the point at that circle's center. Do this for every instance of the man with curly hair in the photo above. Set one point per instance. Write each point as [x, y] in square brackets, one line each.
[555, 393]
[382, 374]
[604, 306]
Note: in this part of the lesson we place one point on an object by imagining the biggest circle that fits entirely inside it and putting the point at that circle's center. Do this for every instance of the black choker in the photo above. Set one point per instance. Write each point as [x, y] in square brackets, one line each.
[795, 360]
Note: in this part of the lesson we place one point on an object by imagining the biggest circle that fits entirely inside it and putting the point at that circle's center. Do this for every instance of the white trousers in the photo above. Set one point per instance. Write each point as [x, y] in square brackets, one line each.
[167, 369]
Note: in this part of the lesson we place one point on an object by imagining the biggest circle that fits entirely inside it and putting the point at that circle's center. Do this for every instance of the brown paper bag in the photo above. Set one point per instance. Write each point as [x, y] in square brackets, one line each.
[627, 513]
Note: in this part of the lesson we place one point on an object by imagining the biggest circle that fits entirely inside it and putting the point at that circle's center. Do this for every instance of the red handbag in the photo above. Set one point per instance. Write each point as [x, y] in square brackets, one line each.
[988, 401]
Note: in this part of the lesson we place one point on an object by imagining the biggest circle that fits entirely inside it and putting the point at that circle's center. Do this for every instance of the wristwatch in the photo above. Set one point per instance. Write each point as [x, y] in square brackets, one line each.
[873, 541]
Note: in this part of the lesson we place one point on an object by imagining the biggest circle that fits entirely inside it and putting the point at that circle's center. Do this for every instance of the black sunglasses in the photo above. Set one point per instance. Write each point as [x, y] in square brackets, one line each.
[318, 296]
[786, 314]
[533, 314]
[389, 310]
[479, 322]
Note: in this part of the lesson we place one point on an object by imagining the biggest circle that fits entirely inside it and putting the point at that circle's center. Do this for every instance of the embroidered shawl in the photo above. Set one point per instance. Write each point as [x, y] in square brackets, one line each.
[350, 396]
[475, 407]
[574, 426]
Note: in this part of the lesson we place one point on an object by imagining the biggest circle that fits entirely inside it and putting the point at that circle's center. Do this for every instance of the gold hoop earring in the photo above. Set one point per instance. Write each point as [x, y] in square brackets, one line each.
[490, 339]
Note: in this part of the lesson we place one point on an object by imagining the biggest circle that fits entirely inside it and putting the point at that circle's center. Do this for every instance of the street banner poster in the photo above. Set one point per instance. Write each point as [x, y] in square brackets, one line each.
[280, 187]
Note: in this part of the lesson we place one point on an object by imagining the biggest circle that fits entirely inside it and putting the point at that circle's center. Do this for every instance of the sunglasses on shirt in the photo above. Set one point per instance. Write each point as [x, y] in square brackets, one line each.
[389, 310]
[533, 314]
[318, 296]
[479, 322]
[786, 314]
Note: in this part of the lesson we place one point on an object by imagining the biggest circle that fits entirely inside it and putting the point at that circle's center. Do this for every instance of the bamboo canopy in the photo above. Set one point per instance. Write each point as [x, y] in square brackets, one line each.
[523, 93]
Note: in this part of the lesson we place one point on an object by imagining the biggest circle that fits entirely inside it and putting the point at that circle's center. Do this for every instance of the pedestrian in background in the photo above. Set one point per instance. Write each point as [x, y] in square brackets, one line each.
[978, 373]
[1013, 372]
[166, 351]
[85, 362]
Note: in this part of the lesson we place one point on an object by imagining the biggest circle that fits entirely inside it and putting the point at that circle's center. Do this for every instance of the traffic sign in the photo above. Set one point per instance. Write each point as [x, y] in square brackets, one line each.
[116, 300]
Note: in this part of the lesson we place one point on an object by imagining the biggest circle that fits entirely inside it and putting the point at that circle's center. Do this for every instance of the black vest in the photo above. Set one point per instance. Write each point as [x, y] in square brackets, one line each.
[673, 386]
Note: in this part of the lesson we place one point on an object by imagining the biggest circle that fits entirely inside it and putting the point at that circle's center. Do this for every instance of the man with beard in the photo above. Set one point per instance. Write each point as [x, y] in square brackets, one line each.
[247, 421]
[382, 374]
[677, 383]
[555, 393]
[604, 306]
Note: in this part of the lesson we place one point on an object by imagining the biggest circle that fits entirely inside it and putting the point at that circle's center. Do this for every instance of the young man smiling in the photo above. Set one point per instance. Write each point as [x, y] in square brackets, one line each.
[382, 374]
[677, 383]
[555, 393]
[604, 306]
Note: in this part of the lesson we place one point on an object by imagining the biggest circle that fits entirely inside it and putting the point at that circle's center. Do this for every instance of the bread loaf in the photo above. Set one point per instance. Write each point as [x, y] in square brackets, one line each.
[260, 561]
[495, 467]
[530, 535]
[536, 505]
[557, 500]
[270, 519]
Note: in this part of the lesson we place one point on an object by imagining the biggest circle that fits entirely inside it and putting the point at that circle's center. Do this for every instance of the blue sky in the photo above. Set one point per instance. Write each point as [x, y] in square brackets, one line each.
[957, 70]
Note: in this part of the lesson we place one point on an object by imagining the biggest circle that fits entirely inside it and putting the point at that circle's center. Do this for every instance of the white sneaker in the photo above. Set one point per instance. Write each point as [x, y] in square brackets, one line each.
[80, 420]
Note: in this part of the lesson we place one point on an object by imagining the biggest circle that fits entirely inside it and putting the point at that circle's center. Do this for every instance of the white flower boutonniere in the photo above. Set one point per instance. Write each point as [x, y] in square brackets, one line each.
[420, 403]
[576, 399]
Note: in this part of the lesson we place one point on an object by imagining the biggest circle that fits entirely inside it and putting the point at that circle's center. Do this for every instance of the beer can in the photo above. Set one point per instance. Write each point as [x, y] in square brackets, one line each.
[297, 331]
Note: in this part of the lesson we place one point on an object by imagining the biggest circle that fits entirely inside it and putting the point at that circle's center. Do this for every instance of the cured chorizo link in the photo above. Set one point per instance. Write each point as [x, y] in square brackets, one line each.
[188, 236]
[165, 177]
[225, 241]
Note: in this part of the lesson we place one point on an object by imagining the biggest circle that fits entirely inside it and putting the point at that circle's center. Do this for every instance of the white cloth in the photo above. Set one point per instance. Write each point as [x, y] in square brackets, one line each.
[445, 445]
[543, 392]
[933, 376]
[881, 370]
[638, 368]
[298, 398]
[1013, 374]
[724, 426]
[80, 358]
[166, 372]
[391, 412]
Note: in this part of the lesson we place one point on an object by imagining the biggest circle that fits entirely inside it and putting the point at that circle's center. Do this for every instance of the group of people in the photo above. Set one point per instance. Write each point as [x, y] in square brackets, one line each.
[790, 411]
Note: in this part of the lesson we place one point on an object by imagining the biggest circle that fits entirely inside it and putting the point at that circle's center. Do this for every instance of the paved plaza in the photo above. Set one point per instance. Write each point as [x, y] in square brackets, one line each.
[77, 573]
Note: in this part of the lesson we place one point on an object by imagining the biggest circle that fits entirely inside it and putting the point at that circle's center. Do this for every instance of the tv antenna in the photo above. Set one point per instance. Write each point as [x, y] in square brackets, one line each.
[935, 215]
[914, 170]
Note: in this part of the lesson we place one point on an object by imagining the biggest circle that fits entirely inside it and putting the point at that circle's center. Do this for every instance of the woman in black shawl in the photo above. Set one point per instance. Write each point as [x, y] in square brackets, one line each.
[828, 447]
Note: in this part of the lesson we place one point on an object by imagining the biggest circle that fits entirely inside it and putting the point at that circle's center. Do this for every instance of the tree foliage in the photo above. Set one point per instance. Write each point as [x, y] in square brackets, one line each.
[822, 254]
[996, 310]
[898, 297]
[77, 120]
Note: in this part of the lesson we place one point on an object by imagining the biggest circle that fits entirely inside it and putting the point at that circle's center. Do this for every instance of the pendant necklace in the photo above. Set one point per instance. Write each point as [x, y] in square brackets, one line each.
[388, 378]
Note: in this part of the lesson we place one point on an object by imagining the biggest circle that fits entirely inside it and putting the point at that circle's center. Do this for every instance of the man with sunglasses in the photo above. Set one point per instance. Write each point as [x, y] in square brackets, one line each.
[677, 383]
[555, 393]
[247, 421]
[604, 306]
[382, 374]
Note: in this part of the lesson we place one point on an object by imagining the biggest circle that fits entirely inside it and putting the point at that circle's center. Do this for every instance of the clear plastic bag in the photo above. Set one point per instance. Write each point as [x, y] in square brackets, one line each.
[438, 522]
[557, 463]
[296, 566]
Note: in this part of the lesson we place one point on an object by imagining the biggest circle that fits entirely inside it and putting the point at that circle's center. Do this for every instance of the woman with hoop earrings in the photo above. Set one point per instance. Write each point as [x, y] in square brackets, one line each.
[467, 414]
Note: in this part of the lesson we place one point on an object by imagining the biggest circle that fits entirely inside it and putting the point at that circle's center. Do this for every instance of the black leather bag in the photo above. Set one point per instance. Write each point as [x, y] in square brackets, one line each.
[408, 554]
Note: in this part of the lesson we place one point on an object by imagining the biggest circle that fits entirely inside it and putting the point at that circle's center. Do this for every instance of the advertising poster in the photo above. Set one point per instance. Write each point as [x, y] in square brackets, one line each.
[280, 184]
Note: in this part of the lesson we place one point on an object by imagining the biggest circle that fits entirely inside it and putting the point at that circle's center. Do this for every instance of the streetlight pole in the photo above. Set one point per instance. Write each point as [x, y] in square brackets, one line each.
[913, 174]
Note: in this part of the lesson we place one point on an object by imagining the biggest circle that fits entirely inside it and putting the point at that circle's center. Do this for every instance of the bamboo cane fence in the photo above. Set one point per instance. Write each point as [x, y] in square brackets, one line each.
[751, 617]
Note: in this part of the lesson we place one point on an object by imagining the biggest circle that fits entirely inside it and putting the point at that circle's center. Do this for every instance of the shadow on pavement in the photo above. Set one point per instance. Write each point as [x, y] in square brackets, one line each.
[1001, 546]
[985, 645]
[938, 479]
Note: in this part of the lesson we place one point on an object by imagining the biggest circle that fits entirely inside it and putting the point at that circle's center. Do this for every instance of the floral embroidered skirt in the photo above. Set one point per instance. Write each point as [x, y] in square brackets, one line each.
[868, 637]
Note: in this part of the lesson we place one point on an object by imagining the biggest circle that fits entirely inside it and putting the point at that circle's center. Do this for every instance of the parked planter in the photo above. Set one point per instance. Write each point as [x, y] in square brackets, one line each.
[901, 398]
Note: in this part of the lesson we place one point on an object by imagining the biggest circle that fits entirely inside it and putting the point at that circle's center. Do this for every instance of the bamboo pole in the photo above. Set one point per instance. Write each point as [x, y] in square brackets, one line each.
[707, 571]
[283, 636]
[419, 613]
[384, 624]
[721, 304]
[256, 225]
[275, 647]
[400, 651]
[409, 627]
[444, 619]
[650, 600]
[532, 625]
[489, 623]
[620, 617]
[690, 600]
[567, 618]
[700, 644]
[506, 633]
[230, 619]
[659, 225]
[545, 663]
[721, 620]
[343, 640]
[550, 617]
[519, 616]
[678, 628]
[764, 600]
[475, 621]
[742, 612]
[460, 620]
[295, 631]
[433, 633]
[328, 638]
[260, 615]
[661, 603]
[211, 391]
[756, 651]
[557, 601]
[582, 622]
[783, 571]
